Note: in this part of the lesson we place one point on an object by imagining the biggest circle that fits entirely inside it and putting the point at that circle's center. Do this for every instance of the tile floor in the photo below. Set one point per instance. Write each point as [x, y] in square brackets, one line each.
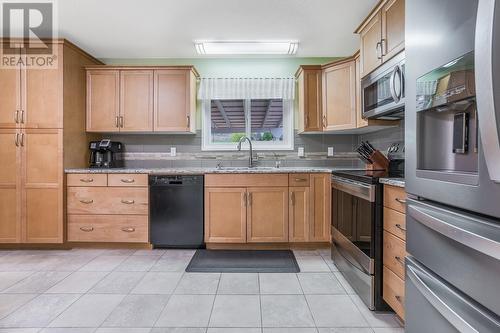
[129, 291]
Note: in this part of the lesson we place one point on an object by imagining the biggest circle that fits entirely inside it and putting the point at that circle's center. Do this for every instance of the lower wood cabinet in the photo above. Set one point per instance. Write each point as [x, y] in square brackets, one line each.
[111, 208]
[237, 212]
[267, 214]
[225, 215]
[394, 250]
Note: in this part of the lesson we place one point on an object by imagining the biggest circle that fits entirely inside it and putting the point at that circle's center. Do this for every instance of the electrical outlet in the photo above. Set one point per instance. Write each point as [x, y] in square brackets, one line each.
[300, 152]
[330, 152]
[173, 151]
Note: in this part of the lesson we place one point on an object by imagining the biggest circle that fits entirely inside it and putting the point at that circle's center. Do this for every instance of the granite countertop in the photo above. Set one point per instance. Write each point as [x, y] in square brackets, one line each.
[197, 171]
[399, 182]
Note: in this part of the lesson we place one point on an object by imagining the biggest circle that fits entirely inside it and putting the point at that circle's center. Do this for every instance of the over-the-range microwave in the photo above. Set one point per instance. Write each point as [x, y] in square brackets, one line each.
[383, 90]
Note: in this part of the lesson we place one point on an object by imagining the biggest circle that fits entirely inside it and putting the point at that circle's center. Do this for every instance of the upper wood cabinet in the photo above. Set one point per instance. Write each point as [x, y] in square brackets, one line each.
[339, 96]
[309, 96]
[136, 101]
[175, 101]
[103, 100]
[141, 99]
[10, 97]
[382, 34]
[267, 214]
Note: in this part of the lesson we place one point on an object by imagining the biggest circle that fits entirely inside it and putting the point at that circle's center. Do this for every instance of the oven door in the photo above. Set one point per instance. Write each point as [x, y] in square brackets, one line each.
[383, 91]
[353, 213]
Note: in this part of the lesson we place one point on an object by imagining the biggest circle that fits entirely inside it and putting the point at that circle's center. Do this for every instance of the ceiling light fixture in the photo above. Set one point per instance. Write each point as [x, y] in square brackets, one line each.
[246, 47]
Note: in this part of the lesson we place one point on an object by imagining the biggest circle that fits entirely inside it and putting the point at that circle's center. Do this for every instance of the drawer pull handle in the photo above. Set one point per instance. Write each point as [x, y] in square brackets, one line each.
[87, 229]
[128, 202]
[399, 299]
[128, 229]
[86, 180]
[400, 227]
[300, 179]
[87, 201]
[401, 201]
[401, 261]
[128, 181]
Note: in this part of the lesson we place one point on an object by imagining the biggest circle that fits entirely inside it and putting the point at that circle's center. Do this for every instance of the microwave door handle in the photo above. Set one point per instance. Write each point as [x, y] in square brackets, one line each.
[392, 87]
[489, 124]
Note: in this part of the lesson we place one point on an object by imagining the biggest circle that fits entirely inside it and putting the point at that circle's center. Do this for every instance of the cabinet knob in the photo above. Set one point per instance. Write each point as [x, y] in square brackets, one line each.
[86, 201]
[87, 229]
[401, 201]
[300, 179]
[16, 117]
[128, 229]
[17, 140]
[399, 298]
[22, 116]
[400, 227]
[86, 180]
[128, 202]
[128, 181]
[400, 260]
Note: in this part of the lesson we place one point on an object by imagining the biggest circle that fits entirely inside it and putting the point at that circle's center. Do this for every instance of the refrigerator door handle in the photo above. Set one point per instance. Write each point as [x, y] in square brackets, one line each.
[417, 277]
[488, 115]
[444, 226]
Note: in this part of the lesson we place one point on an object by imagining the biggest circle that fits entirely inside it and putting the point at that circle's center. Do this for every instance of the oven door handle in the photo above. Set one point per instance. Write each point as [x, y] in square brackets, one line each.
[392, 84]
[357, 189]
[486, 95]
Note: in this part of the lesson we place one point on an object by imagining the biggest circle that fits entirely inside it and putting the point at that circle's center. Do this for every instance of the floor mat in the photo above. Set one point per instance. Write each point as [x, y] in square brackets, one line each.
[243, 261]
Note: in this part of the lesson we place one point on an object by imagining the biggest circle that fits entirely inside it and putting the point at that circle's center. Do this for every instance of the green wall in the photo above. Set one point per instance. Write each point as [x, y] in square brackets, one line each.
[231, 67]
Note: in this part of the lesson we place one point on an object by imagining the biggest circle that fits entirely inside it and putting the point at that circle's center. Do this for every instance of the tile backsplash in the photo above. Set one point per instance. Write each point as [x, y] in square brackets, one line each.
[143, 150]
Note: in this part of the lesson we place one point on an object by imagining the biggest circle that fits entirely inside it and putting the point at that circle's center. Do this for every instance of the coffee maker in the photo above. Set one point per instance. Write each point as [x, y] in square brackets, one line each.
[103, 154]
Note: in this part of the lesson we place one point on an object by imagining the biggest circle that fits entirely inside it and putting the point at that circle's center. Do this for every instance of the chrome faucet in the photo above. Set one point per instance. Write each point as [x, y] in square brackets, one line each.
[250, 159]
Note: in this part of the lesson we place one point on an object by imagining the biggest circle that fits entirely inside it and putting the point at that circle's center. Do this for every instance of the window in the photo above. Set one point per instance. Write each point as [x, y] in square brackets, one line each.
[268, 122]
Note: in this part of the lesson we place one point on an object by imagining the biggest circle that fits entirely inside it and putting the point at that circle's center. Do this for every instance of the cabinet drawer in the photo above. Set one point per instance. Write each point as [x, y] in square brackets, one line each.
[87, 179]
[394, 254]
[107, 200]
[246, 180]
[395, 198]
[127, 179]
[298, 179]
[395, 222]
[394, 291]
[108, 228]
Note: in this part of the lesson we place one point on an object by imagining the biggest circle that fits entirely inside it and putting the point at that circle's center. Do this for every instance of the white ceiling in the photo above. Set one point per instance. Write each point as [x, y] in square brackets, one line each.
[167, 28]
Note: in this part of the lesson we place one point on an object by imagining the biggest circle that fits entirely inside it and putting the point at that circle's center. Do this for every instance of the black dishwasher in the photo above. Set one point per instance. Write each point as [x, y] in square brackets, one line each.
[176, 211]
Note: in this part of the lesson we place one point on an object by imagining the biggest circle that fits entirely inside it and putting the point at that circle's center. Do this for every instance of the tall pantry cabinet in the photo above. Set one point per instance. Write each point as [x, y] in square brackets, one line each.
[42, 131]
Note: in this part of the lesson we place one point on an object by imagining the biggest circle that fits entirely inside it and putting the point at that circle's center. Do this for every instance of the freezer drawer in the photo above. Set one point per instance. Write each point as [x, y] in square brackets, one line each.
[461, 248]
[434, 306]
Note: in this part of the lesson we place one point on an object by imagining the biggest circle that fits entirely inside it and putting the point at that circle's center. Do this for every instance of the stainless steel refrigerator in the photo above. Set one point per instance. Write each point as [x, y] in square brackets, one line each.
[453, 165]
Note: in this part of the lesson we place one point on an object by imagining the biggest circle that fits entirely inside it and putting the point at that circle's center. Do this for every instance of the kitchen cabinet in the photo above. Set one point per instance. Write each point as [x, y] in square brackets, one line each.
[309, 86]
[175, 101]
[141, 99]
[267, 208]
[299, 214]
[41, 133]
[339, 96]
[267, 214]
[136, 101]
[225, 215]
[381, 34]
[108, 208]
[394, 251]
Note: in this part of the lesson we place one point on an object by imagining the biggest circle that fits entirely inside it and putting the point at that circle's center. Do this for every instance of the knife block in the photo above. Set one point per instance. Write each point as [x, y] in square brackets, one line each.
[380, 162]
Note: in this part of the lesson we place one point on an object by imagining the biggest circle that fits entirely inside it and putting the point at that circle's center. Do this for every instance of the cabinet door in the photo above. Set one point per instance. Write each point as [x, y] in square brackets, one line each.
[103, 100]
[42, 186]
[339, 107]
[267, 216]
[320, 208]
[371, 36]
[393, 28]
[10, 226]
[174, 101]
[309, 88]
[225, 215]
[10, 98]
[136, 101]
[42, 97]
[299, 214]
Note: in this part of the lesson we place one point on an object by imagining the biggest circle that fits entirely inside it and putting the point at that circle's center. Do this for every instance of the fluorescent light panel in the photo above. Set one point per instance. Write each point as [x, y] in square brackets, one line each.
[246, 47]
